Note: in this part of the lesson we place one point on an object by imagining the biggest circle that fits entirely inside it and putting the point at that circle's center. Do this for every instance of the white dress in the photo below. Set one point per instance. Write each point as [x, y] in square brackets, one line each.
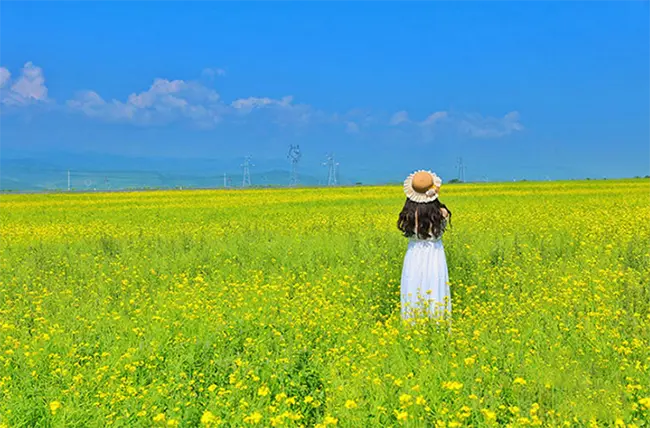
[425, 279]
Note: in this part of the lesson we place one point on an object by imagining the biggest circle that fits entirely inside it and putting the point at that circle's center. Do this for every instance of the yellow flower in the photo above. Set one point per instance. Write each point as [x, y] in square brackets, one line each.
[263, 391]
[452, 385]
[587, 257]
[350, 404]
[172, 423]
[276, 420]
[329, 420]
[405, 399]
[401, 416]
[645, 402]
[253, 418]
[489, 415]
[54, 406]
[209, 418]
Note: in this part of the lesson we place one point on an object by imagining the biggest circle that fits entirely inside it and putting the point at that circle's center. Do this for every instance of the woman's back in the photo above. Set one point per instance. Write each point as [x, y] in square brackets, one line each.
[432, 236]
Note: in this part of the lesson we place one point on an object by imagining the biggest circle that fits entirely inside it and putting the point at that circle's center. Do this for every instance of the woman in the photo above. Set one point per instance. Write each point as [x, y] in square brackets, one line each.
[424, 285]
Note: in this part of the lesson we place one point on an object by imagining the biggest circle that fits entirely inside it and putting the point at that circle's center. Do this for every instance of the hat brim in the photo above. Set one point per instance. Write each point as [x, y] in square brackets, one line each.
[418, 197]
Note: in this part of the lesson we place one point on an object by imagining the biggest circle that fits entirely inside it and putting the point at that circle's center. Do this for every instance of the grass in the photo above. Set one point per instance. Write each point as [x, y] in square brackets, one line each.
[280, 307]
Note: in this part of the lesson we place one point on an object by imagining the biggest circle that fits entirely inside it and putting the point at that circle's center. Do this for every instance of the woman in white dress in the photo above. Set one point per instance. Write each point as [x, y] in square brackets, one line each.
[425, 279]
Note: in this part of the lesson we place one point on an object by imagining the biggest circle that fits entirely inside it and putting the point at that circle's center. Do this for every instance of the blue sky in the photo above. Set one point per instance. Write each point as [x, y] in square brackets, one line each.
[518, 89]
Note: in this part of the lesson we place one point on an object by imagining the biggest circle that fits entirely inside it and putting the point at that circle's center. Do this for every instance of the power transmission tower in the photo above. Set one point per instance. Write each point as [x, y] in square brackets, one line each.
[246, 180]
[461, 170]
[68, 180]
[294, 156]
[331, 165]
[225, 181]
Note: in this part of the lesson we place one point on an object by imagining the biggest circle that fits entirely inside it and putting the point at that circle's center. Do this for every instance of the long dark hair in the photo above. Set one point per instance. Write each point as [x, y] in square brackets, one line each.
[429, 218]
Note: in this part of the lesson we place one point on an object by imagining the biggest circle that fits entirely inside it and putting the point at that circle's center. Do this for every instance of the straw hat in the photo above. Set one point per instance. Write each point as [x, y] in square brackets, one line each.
[422, 186]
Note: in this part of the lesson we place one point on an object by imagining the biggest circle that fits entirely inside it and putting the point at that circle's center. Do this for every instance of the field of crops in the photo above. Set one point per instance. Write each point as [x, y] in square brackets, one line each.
[281, 308]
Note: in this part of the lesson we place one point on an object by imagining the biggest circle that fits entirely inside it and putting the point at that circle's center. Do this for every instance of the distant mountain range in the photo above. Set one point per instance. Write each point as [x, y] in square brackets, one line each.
[24, 171]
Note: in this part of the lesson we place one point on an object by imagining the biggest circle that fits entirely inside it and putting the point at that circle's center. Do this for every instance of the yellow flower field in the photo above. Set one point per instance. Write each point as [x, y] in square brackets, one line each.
[278, 308]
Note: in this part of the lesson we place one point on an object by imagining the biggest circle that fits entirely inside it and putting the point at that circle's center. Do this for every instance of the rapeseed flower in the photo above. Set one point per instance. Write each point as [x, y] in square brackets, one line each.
[55, 406]
[157, 304]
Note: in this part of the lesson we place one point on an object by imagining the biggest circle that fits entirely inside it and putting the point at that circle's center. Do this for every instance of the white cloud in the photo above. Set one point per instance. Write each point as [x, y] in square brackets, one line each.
[165, 101]
[479, 126]
[435, 118]
[28, 89]
[473, 125]
[160, 92]
[213, 72]
[5, 75]
[352, 128]
[246, 105]
[92, 104]
[361, 117]
[171, 100]
[399, 117]
[282, 112]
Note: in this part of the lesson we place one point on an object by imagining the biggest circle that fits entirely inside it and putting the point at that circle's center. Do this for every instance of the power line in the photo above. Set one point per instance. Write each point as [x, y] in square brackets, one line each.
[294, 156]
[331, 169]
[461, 170]
[246, 179]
